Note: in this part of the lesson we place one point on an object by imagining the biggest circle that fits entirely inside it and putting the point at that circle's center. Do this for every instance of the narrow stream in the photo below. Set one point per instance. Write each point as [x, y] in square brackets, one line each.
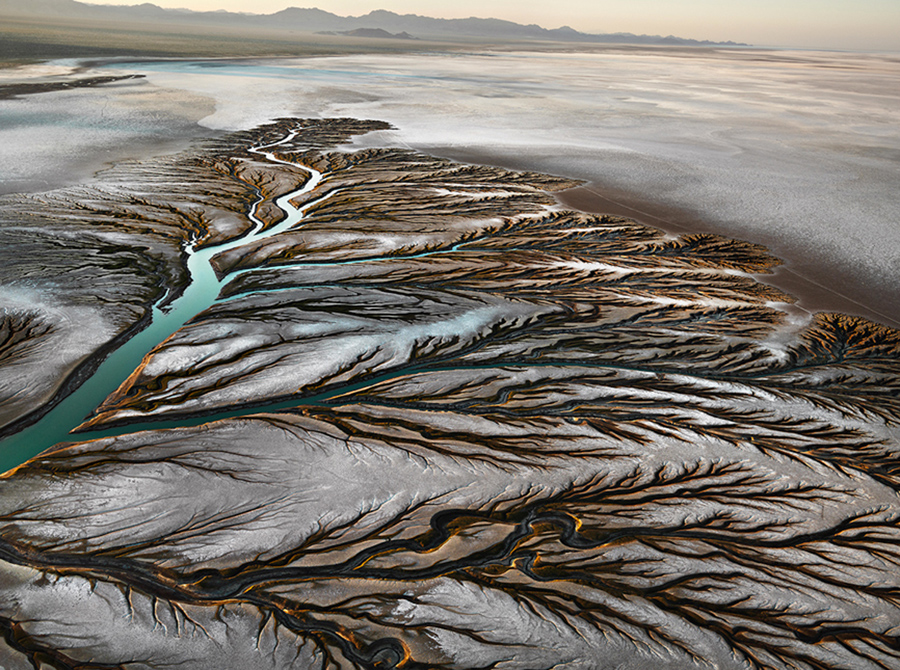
[200, 294]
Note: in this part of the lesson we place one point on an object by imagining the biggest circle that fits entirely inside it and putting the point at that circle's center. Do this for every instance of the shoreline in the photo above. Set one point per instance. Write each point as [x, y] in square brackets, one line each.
[73, 379]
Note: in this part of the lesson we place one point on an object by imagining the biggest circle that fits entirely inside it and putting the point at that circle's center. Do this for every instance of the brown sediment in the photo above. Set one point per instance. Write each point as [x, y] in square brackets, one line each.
[671, 219]
[817, 287]
[806, 281]
[14, 90]
[818, 283]
[520, 424]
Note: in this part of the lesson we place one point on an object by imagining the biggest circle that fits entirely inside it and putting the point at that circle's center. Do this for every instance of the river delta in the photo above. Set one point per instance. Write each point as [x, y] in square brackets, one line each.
[342, 402]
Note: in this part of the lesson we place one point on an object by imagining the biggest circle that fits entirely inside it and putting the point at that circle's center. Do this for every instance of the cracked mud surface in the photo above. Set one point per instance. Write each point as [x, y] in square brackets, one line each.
[467, 428]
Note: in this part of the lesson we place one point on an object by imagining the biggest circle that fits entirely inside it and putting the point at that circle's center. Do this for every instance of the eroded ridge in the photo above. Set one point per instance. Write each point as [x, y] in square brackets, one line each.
[532, 438]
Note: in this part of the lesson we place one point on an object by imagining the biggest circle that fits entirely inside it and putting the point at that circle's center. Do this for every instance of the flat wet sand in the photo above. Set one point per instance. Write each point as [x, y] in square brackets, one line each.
[54, 135]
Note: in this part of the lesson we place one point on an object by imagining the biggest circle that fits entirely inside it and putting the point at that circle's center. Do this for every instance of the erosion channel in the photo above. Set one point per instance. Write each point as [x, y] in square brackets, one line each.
[201, 292]
[375, 409]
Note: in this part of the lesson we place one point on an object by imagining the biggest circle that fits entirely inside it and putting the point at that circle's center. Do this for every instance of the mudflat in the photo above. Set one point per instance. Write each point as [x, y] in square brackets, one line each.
[408, 361]
[812, 284]
[443, 421]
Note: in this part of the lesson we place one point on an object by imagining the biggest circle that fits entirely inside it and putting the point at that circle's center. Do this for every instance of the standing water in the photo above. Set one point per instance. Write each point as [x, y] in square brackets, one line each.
[202, 291]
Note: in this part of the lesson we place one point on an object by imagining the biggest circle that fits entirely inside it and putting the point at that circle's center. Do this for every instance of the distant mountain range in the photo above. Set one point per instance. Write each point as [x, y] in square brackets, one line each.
[317, 21]
[369, 32]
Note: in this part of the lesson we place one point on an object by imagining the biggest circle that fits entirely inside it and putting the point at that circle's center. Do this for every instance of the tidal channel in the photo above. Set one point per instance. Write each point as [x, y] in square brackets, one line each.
[201, 293]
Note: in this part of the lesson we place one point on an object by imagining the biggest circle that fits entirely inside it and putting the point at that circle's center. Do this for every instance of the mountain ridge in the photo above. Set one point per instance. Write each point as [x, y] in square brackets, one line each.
[313, 19]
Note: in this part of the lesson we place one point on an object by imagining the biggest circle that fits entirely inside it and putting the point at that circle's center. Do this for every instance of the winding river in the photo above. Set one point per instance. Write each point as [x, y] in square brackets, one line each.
[201, 293]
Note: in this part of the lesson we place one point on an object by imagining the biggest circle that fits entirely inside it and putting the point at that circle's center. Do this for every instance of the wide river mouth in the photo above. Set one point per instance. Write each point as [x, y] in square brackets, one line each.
[200, 294]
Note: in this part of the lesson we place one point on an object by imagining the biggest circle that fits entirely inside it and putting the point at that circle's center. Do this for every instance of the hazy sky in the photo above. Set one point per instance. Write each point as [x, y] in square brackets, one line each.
[839, 24]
